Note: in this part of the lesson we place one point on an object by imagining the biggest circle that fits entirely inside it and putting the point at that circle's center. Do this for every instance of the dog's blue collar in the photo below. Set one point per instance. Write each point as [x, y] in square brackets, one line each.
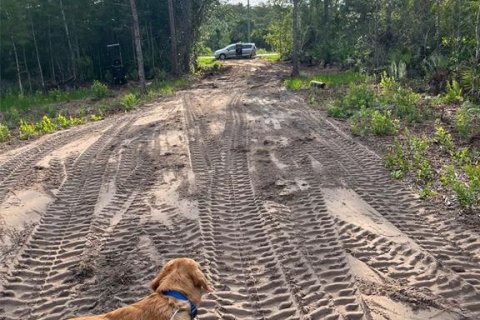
[180, 296]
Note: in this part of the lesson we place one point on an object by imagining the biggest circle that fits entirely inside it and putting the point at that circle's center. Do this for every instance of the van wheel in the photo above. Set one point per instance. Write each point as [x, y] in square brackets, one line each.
[223, 57]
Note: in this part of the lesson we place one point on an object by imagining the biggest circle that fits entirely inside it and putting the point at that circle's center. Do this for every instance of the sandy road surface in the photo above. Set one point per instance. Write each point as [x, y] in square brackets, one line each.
[289, 217]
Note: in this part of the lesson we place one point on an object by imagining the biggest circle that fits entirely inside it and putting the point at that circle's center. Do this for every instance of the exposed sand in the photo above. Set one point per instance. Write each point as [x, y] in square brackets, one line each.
[289, 218]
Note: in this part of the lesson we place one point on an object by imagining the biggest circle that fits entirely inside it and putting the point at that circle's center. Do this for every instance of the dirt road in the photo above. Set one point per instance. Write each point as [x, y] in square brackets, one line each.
[290, 218]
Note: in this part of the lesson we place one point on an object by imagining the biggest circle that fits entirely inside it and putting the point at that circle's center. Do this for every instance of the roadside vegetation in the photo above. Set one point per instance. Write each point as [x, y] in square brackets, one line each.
[419, 99]
[332, 80]
[208, 63]
[426, 139]
[30, 116]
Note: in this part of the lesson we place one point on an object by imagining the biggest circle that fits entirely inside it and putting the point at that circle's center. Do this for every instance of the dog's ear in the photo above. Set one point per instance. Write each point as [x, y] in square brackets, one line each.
[199, 279]
[166, 270]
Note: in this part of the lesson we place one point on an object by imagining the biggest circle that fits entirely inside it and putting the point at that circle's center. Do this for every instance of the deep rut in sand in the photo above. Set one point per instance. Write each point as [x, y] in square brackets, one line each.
[288, 216]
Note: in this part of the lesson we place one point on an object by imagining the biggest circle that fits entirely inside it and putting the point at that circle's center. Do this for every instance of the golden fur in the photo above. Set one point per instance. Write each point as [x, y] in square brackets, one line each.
[183, 275]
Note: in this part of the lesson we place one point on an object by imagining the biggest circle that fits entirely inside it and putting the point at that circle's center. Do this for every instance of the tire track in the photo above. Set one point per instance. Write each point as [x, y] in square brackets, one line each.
[363, 172]
[241, 237]
[42, 270]
[20, 165]
[126, 245]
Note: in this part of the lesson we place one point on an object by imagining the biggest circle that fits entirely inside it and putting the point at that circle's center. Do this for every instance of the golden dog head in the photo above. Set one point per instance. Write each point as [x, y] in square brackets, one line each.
[183, 275]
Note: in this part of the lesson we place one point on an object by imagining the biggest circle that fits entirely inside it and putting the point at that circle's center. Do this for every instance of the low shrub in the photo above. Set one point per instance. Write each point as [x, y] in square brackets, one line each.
[444, 138]
[76, 121]
[387, 83]
[404, 103]
[410, 156]
[396, 159]
[4, 133]
[95, 117]
[467, 120]
[62, 121]
[27, 130]
[427, 192]
[383, 124]
[357, 97]
[46, 125]
[454, 93]
[129, 101]
[466, 156]
[99, 89]
[360, 122]
[377, 122]
[466, 190]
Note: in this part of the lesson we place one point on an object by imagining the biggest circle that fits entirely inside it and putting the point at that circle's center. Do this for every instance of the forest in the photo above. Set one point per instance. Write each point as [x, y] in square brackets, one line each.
[45, 43]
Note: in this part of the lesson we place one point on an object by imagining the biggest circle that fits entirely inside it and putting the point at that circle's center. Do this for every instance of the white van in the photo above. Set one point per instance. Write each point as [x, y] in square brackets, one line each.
[237, 50]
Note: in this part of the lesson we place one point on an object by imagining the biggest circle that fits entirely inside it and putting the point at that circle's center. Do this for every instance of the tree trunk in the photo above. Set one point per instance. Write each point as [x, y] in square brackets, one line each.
[326, 12]
[477, 51]
[173, 37]
[20, 85]
[26, 69]
[69, 41]
[138, 46]
[52, 62]
[152, 46]
[387, 38]
[296, 38]
[42, 81]
[249, 20]
[438, 33]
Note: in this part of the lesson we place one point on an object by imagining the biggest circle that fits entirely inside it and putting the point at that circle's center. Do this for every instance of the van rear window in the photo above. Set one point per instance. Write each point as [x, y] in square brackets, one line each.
[247, 46]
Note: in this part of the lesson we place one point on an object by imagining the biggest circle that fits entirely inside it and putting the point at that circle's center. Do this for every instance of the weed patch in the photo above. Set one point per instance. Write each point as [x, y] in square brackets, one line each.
[46, 125]
[272, 57]
[467, 120]
[358, 97]
[129, 101]
[4, 133]
[27, 130]
[465, 183]
[99, 90]
[377, 122]
[443, 138]
[331, 80]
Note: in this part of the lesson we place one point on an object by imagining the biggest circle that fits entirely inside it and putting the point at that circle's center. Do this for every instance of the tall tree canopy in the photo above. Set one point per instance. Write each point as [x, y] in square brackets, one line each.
[55, 40]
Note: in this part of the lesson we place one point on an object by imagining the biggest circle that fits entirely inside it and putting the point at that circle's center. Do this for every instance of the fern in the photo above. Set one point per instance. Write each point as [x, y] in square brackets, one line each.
[454, 93]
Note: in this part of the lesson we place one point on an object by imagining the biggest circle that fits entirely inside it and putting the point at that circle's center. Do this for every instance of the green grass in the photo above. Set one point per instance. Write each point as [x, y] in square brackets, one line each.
[39, 99]
[332, 80]
[208, 63]
[294, 84]
[39, 113]
[273, 57]
[167, 87]
[263, 51]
